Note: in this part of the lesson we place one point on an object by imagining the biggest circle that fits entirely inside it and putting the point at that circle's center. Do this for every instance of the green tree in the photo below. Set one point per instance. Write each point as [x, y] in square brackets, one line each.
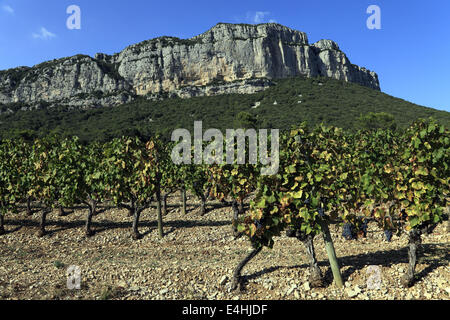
[245, 120]
[375, 121]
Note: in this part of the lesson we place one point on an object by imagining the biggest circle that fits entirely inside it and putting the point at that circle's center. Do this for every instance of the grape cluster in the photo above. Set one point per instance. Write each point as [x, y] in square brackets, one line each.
[351, 232]
[321, 213]
[296, 233]
[348, 231]
[363, 227]
[290, 232]
[388, 235]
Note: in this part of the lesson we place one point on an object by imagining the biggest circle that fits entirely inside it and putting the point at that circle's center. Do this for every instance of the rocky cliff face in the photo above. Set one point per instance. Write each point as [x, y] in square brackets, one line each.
[228, 58]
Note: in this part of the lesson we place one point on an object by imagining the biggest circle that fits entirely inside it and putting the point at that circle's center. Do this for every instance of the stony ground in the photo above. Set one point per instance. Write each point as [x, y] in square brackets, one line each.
[196, 258]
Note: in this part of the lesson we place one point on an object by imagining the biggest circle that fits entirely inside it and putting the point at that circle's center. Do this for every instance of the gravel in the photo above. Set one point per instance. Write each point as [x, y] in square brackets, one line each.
[196, 258]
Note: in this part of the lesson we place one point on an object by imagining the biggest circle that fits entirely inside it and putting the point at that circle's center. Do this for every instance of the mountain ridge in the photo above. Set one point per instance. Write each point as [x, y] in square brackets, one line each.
[207, 64]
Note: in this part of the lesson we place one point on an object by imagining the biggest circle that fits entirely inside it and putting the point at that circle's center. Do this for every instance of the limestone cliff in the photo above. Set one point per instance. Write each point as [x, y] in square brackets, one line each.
[229, 58]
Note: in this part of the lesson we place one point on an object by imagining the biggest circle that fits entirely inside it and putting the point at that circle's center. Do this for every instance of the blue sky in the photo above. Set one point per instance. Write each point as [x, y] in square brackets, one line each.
[411, 52]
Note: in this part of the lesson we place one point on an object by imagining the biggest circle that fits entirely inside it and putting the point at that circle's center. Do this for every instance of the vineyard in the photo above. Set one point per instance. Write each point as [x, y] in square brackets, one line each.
[396, 181]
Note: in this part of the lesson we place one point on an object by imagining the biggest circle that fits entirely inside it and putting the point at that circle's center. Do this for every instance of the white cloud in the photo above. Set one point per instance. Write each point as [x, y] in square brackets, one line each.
[259, 16]
[44, 34]
[7, 9]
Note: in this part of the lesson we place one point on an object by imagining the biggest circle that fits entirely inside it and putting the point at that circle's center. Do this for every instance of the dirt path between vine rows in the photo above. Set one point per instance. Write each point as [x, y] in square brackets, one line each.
[196, 258]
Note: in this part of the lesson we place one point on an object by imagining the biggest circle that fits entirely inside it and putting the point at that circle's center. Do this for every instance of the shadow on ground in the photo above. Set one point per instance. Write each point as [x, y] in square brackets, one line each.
[104, 225]
[433, 255]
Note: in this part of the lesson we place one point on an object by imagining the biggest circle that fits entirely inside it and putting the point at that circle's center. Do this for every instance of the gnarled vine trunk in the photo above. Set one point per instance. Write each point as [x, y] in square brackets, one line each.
[203, 204]
[237, 280]
[234, 206]
[159, 214]
[29, 211]
[164, 203]
[316, 278]
[2, 224]
[241, 207]
[413, 246]
[136, 212]
[92, 204]
[44, 214]
[135, 209]
[61, 212]
[183, 200]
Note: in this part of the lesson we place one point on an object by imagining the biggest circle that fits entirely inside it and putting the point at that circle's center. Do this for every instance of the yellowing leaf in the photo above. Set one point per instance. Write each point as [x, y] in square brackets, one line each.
[298, 194]
[252, 229]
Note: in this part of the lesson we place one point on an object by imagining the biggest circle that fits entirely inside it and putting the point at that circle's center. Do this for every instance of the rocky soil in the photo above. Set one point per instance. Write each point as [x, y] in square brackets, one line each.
[196, 258]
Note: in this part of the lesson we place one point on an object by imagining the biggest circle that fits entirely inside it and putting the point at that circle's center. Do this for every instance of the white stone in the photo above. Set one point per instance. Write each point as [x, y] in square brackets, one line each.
[163, 291]
[352, 292]
[223, 280]
[306, 286]
[290, 290]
